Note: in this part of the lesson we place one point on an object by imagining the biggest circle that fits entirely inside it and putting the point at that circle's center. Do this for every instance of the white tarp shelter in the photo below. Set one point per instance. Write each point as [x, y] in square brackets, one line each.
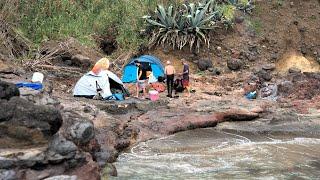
[86, 86]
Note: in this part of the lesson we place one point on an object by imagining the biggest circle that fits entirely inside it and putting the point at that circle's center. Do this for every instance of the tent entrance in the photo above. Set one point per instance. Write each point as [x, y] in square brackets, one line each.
[117, 88]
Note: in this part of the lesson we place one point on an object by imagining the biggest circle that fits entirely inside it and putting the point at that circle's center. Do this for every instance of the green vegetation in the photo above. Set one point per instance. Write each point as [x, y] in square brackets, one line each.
[42, 20]
[188, 24]
[255, 25]
[87, 20]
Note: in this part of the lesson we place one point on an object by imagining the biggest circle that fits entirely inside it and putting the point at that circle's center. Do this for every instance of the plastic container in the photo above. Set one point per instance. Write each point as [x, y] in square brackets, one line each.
[154, 95]
[37, 77]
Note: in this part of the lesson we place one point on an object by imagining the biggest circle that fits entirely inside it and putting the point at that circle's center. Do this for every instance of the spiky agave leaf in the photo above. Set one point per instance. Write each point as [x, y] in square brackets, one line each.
[187, 25]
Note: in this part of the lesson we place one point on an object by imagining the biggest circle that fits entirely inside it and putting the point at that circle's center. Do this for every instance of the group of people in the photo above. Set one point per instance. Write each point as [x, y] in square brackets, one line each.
[145, 77]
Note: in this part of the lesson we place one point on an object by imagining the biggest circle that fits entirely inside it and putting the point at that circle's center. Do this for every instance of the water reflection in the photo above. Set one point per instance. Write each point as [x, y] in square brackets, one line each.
[210, 154]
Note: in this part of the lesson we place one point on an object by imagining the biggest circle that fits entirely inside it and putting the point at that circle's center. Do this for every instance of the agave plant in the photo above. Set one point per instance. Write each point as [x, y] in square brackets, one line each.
[246, 6]
[185, 25]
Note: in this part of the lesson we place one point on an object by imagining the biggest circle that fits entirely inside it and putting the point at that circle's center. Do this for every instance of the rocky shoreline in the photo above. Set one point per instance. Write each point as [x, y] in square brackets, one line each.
[48, 135]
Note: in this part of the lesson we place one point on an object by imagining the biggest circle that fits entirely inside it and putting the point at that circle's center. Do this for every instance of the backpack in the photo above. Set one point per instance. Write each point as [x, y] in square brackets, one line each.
[178, 86]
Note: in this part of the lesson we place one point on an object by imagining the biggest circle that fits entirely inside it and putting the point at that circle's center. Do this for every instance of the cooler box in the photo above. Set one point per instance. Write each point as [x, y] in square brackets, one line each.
[154, 95]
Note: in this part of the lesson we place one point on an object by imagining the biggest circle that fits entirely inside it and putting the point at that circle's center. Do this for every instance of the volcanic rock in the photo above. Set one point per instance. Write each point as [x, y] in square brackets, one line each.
[204, 64]
[265, 75]
[234, 64]
[80, 61]
[294, 70]
[27, 123]
[8, 90]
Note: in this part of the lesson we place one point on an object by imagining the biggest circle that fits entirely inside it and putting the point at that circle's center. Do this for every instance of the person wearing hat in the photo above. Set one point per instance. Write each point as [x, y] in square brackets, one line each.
[169, 71]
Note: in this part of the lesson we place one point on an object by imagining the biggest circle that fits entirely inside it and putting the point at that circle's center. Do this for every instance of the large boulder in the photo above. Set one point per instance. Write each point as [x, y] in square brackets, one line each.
[24, 123]
[82, 132]
[77, 128]
[8, 90]
[204, 64]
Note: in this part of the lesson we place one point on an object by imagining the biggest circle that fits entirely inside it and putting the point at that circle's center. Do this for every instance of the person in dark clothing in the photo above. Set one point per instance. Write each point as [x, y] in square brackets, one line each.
[170, 71]
[185, 76]
[141, 79]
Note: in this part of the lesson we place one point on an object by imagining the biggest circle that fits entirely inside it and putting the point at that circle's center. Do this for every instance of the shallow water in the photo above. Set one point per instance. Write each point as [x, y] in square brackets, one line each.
[211, 154]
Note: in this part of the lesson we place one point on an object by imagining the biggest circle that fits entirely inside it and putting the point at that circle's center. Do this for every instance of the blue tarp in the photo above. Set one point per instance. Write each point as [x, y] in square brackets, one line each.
[35, 86]
[129, 74]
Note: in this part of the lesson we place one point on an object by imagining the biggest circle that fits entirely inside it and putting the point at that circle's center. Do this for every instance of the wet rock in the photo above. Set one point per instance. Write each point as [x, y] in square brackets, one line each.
[82, 132]
[25, 122]
[8, 90]
[234, 64]
[81, 61]
[294, 70]
[63, 177]
[204, 64]
[264, 75]
[109, 170]
[8, 175]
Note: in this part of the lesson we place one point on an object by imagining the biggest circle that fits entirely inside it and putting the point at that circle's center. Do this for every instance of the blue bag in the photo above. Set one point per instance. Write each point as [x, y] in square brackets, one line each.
[35, 86]
[119, 96]
[251, 95]
[116, 96]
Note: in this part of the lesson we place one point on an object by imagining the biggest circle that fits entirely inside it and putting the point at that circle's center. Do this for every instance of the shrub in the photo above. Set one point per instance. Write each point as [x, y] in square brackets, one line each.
[188, 24]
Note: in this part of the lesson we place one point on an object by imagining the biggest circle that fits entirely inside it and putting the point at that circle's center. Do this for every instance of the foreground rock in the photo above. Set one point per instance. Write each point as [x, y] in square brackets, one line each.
[23, 123]
[8, 90]
[38, 142]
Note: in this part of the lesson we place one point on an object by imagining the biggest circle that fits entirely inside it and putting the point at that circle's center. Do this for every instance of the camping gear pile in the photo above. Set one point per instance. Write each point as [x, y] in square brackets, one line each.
[102, 84]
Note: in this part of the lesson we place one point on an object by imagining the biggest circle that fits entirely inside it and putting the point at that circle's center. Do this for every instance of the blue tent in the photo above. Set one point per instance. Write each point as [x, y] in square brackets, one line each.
[129, 74]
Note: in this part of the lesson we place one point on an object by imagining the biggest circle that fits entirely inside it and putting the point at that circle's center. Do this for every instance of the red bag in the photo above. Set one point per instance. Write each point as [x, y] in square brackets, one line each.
[158, 86]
